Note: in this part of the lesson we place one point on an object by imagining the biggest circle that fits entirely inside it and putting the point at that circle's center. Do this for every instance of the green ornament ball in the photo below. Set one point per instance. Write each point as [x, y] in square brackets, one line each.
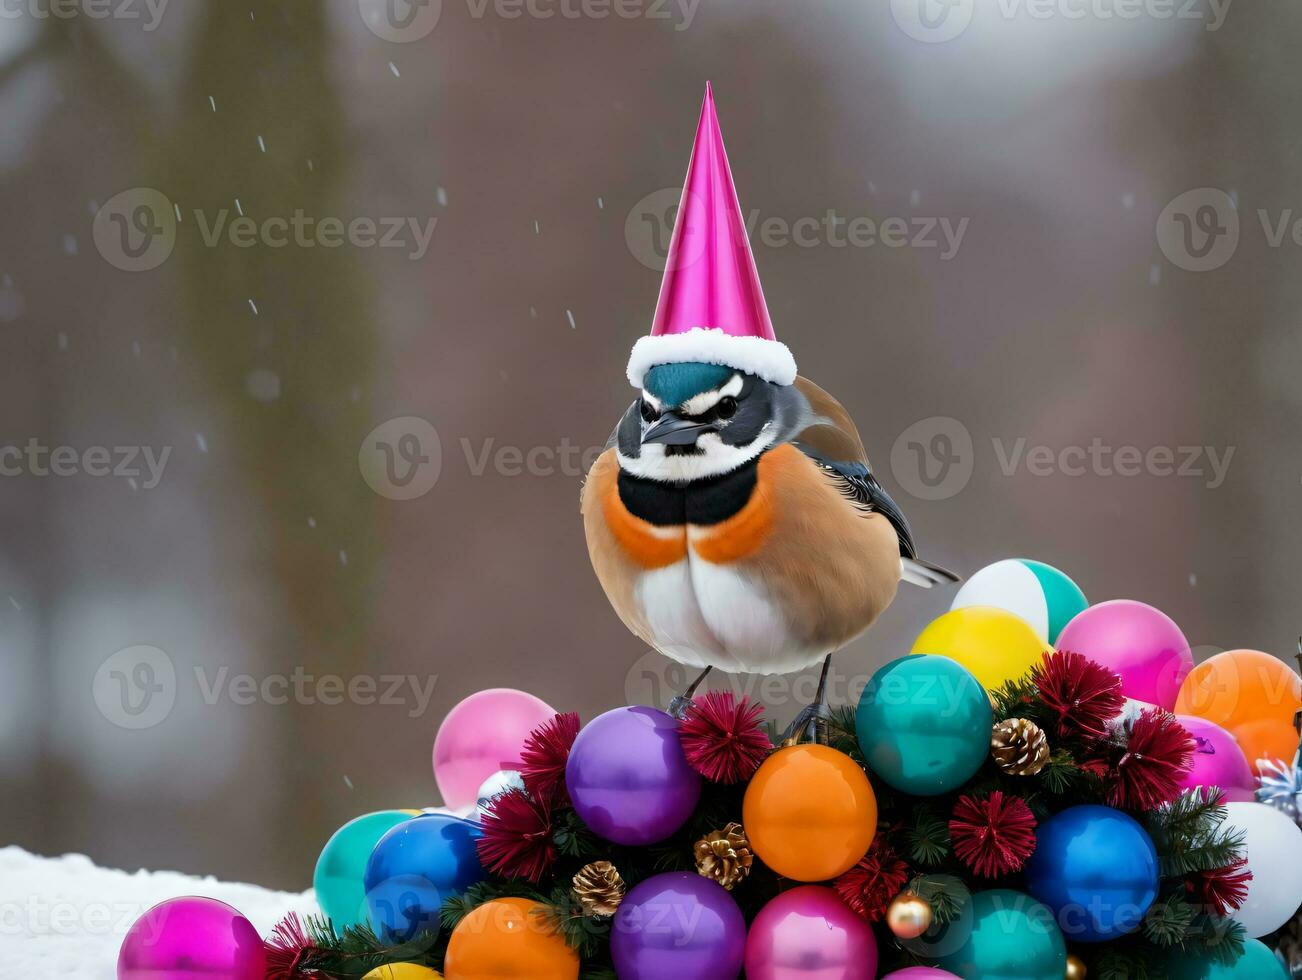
[924, 725]
[342, 866]
[1256, 962]
[1012, 936]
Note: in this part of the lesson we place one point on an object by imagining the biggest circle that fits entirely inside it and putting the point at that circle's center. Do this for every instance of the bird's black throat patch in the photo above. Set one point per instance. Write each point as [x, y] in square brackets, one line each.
[702, 502]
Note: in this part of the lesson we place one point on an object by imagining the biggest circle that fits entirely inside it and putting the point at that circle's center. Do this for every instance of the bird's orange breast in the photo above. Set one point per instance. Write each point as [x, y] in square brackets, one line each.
[745, 532]
[644, 543]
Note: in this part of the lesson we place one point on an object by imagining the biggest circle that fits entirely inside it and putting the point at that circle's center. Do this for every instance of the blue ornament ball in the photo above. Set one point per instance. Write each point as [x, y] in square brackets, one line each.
[1096, 868]
[924, 725]
[414, 868]
[341, 868]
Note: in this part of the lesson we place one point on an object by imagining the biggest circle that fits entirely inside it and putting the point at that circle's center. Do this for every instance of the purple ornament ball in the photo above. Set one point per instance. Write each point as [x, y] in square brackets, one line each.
[628, 778]
[678, 926]
[921, 973]
[192, 939]
[1218, 761]
[808, 933]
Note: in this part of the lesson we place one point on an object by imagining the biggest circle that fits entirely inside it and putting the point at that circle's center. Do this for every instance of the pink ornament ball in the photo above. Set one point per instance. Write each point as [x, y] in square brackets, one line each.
[808, 933]
[1218, 761]
[192, 939]
[1141, 644]
[920, 973]
[480, 736]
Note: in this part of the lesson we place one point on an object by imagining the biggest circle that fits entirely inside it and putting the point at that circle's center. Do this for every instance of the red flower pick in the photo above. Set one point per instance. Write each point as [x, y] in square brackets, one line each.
[545, 753]
[992, 835]
[722, 737]
[1084, 695]
[1158, 752]
[869, 887]
[1222, 889]
[517, 837]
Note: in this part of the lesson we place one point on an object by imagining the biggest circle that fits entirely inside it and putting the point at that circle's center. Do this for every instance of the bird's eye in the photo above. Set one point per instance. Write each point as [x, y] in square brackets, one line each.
[649, 414]
[726, 408]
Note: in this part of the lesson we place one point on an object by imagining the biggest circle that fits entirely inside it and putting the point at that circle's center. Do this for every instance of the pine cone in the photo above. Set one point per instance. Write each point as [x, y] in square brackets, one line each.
[724, 855]
[598, 888]
[1019, 746]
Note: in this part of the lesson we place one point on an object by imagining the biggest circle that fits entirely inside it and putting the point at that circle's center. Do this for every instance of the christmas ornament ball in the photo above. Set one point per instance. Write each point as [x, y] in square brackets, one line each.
[677, 926]
[341, 867]
[995, 645]
[1097, 869]
[908, 916]
[628, 778]
[1139, 643]
[810, 812]
[508, 938]
[403, 971]
[808, 933]
[1075, 968]
[1011, 935]
[1038, 593]
[480, 735]
[414, 869]
[1256, 962]
[192, 939]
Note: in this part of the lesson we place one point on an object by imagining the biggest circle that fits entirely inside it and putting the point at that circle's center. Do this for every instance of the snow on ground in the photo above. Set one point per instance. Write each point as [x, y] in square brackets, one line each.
[63, 917]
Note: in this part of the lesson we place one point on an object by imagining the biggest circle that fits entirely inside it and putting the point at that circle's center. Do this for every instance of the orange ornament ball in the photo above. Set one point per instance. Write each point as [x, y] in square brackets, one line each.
[809, 812]
[507, 939]
[1250, 694]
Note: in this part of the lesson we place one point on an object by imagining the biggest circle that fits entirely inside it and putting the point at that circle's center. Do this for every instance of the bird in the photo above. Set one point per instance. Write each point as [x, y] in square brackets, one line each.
[733, 519]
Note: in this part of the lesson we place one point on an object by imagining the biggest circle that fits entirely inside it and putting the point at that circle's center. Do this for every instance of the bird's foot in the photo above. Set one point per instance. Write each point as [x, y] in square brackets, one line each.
[810, 722]
[680, 703]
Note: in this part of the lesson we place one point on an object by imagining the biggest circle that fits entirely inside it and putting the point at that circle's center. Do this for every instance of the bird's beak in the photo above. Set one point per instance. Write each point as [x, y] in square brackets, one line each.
[671, 429]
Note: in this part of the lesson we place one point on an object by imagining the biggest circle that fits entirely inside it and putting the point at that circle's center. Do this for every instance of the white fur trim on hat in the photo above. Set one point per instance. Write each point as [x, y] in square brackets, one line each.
[767, 359]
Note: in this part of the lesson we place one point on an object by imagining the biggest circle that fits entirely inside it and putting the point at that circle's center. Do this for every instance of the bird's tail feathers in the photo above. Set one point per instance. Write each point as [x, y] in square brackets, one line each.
[924, 574]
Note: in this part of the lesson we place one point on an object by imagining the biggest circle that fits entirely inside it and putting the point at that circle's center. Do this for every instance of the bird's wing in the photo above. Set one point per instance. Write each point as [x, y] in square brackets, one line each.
[829, 437]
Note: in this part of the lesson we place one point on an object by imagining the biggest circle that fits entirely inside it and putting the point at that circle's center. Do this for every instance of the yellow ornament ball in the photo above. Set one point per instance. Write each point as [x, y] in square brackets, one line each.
[506, 939]
[809, 812]
[993, 644]
[403, 971]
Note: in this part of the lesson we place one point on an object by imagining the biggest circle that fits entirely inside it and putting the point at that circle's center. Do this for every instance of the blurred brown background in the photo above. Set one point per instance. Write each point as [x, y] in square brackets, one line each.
[539, 143]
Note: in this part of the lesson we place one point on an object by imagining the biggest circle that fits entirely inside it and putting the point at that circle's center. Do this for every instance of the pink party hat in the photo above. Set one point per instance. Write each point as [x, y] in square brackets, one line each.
[711, 306]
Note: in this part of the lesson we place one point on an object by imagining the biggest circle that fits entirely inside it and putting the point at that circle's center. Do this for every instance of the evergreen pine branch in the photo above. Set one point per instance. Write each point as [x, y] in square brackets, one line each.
[1125, 963]
[1220, 938]
[1168, 920]
[946, 894]
[1017, 698]
[927, 838]
[572, 837]
[357, 949]
[586, 934]
[1061, 775]
[842, 731]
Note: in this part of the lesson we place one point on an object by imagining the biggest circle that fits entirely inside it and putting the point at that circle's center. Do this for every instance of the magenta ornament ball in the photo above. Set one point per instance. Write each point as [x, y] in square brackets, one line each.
[1141, 644]
[192, 939]
[921, 973]
[480, 736]
[808, 933]
[1218, 761]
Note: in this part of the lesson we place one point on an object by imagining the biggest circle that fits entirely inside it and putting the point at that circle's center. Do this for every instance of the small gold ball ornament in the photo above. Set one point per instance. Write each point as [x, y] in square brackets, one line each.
[908, 916]
[1075, 968]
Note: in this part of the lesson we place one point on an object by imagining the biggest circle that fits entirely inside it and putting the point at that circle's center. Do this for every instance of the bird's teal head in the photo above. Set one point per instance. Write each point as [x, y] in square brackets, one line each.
[696, 420]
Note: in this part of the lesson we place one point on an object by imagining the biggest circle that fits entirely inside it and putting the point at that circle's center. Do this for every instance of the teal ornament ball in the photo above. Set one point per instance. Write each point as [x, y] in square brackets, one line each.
[924, 725]
[1013, 937]
[1038, 593]
[339, 870]
[1256, 962]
